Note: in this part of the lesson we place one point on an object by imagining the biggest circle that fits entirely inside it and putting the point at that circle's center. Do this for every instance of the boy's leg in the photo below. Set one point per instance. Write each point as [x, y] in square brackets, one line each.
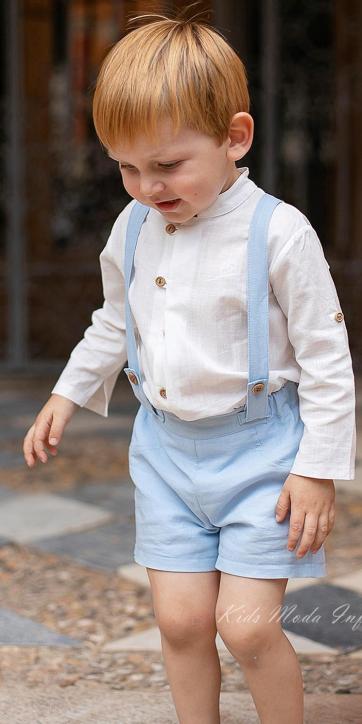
[184, 606]
[247, 618]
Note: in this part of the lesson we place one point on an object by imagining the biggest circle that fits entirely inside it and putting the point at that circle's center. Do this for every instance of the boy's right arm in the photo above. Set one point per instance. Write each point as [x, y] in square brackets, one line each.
[48, 428]
[94, 364]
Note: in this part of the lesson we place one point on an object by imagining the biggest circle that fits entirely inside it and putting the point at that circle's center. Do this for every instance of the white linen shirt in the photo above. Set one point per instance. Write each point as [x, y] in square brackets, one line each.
[192, 331]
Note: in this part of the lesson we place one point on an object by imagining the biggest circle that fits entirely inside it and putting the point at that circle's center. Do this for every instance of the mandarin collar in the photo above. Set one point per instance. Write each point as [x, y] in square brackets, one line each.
[228, 200]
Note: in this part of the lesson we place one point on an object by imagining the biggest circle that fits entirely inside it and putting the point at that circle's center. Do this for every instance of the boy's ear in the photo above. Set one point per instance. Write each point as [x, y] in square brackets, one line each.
[241, 132]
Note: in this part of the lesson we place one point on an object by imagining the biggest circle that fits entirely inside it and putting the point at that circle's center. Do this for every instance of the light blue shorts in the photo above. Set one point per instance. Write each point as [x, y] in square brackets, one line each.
[206, 491]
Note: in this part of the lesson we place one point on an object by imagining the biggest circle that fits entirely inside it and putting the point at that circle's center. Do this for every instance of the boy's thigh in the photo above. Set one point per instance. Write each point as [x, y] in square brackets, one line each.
[249, 606]
[184, 602]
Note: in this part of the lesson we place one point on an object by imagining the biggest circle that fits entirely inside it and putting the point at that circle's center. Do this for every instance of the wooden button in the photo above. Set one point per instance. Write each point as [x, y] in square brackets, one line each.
[160, 281]
[170, 228]
[339, 317]
[163, 392]
[258, 387]
[132, 378]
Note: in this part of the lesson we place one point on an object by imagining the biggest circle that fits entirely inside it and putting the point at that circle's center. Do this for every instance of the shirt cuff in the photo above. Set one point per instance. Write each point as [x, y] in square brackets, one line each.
[95, 397]
[329, 461]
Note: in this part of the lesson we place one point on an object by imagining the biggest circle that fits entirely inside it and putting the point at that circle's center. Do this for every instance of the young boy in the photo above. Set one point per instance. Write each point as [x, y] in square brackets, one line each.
[221, 299]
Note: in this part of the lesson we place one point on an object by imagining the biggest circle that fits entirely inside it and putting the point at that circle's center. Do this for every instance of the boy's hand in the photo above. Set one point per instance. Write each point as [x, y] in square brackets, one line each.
[48, 429]
[312, 506]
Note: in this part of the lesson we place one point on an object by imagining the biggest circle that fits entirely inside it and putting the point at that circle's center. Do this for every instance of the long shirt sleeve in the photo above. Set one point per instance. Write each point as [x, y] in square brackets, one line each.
[306, 293]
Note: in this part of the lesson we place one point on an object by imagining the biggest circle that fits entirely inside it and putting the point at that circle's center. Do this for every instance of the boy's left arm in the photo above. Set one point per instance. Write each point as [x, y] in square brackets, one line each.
[304, 289]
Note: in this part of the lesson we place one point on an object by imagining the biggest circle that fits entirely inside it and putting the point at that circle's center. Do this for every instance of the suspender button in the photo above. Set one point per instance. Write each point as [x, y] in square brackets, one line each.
[132, 378]
[258, 387]
[163, 393]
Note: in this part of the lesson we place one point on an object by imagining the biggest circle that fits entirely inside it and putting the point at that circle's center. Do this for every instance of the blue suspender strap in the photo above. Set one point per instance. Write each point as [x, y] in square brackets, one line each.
[136, 219]
[258, 308]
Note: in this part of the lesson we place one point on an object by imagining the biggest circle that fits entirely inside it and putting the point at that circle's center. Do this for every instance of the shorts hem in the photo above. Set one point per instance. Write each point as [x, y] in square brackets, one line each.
[254, 571]
[174, 564]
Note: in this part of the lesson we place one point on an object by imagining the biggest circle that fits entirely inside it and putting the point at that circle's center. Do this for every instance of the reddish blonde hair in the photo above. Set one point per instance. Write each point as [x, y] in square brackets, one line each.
[176, 68]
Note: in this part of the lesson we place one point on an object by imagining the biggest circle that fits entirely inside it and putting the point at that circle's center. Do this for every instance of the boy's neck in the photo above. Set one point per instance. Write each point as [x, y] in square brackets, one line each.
[231, 180]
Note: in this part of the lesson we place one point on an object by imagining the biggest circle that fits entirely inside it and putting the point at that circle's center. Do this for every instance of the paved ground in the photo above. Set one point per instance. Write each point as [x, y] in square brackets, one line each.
[77, 632]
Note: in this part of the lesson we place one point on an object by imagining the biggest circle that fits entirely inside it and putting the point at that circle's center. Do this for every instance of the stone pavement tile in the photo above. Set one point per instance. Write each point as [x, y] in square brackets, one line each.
[90, 703]
[295, 584]
[148, 640]
[356, 655]
[135, 572]
[87, 703]
[115, 496]
[332, 615]
[10, 459]
[6, 493]
[17, 630]
[333, 709]
[82, 602]
[302, 645]
[350, 580]
[36, 516]
[105, 547]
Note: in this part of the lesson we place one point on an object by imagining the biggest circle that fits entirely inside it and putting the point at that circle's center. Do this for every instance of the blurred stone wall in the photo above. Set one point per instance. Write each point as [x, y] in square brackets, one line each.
[73, 192]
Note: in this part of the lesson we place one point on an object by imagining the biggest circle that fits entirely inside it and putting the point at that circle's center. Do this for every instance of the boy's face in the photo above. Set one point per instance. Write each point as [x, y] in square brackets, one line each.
[189, 167]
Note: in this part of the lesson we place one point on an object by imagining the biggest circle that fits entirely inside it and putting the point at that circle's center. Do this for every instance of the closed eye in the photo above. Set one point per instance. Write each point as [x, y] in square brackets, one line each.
[170, 165]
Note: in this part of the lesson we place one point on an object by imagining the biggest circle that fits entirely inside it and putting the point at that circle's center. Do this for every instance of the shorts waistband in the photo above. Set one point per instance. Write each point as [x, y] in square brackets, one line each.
[220, 424]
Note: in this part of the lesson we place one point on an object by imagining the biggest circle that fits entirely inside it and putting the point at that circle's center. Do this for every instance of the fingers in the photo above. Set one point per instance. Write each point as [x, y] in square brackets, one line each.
[324, 528]
[41, 435]
[55, 432]
[28, 447]
[283, 505]
[41, 438]
[295, 529]
[47, 431]
[309, 533]
[315, 530]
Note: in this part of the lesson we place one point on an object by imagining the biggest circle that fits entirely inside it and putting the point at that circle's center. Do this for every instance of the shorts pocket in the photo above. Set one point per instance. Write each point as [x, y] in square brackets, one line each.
[282, 441]
[145, 433]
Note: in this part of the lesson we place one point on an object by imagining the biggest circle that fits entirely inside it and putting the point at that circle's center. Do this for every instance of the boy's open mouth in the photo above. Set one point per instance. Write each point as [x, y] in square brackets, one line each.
[168, 205]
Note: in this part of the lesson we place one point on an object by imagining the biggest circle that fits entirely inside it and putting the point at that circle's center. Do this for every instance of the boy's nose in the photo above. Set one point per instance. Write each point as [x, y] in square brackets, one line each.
[151, 188]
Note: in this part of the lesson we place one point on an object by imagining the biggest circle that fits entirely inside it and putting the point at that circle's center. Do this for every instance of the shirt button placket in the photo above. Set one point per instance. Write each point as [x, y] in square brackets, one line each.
[161, 282]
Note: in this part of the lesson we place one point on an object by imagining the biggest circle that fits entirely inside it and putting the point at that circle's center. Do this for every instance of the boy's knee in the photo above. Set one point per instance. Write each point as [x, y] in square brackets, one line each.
[248, 641]
[187, 627]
